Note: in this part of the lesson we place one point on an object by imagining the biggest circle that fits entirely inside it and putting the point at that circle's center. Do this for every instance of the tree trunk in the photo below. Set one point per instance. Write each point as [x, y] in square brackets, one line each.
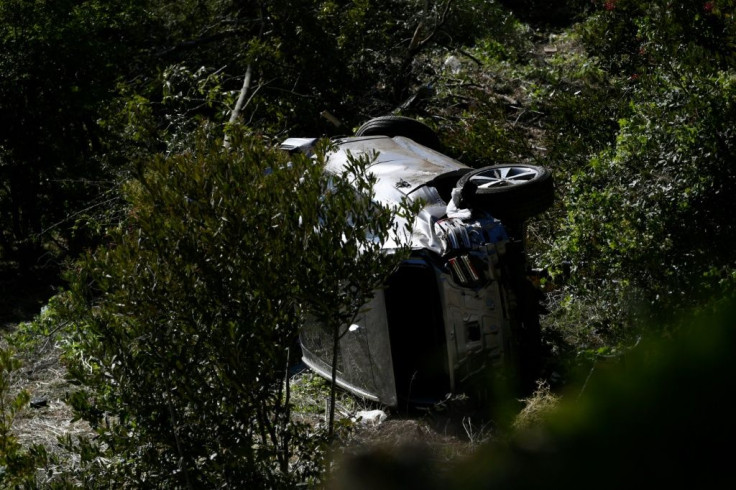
[333, 379]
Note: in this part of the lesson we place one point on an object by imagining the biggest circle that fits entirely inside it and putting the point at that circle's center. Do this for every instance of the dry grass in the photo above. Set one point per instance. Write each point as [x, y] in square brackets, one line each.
[44, 379]
[395, 434]
[536, 407]
[47, 419]
[41, 374]
[444, 436]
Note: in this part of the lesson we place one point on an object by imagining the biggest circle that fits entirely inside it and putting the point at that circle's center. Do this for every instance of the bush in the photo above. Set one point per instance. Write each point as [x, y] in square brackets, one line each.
[651, 213]
[636, 36]
[645, 222]
[187, 320]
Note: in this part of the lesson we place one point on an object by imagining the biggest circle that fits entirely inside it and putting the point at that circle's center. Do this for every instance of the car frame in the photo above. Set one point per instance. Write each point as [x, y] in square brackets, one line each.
[462, 306]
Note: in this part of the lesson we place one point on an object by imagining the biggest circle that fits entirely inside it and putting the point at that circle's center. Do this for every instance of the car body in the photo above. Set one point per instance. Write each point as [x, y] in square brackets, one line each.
[461, 304]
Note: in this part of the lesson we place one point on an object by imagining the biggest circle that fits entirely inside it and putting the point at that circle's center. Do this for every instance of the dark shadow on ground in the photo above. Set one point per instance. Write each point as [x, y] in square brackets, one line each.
[23, 294]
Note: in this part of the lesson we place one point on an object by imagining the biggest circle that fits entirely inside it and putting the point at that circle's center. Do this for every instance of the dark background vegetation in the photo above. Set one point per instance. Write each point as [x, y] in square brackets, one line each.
[111, 112]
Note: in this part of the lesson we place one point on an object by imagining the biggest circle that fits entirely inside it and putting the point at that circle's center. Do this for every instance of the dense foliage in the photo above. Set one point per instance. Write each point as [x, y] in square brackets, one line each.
[90, 85]
[185, 303]
[185, 322]
[646, 225]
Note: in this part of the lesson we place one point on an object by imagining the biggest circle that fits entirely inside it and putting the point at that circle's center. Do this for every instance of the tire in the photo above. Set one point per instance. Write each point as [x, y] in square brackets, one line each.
[509, 191]
[401, 126]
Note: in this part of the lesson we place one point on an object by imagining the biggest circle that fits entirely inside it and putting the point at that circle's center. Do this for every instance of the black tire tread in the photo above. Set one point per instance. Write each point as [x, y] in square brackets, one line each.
[401, 126]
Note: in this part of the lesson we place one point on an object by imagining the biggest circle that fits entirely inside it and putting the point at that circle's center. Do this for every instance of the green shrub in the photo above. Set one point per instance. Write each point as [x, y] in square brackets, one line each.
[186, 322]
[636, 36]
[648, 221]
[644, 156]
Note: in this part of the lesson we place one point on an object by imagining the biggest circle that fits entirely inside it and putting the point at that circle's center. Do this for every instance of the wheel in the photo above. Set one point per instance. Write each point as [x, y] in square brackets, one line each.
[508, 191]
[401, 126]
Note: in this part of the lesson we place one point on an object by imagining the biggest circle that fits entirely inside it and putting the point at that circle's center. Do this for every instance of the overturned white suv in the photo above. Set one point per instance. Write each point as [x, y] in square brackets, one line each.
[462, 306]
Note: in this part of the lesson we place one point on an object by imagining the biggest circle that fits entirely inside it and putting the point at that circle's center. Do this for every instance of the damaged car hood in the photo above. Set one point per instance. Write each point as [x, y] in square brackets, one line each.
[405, 170]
